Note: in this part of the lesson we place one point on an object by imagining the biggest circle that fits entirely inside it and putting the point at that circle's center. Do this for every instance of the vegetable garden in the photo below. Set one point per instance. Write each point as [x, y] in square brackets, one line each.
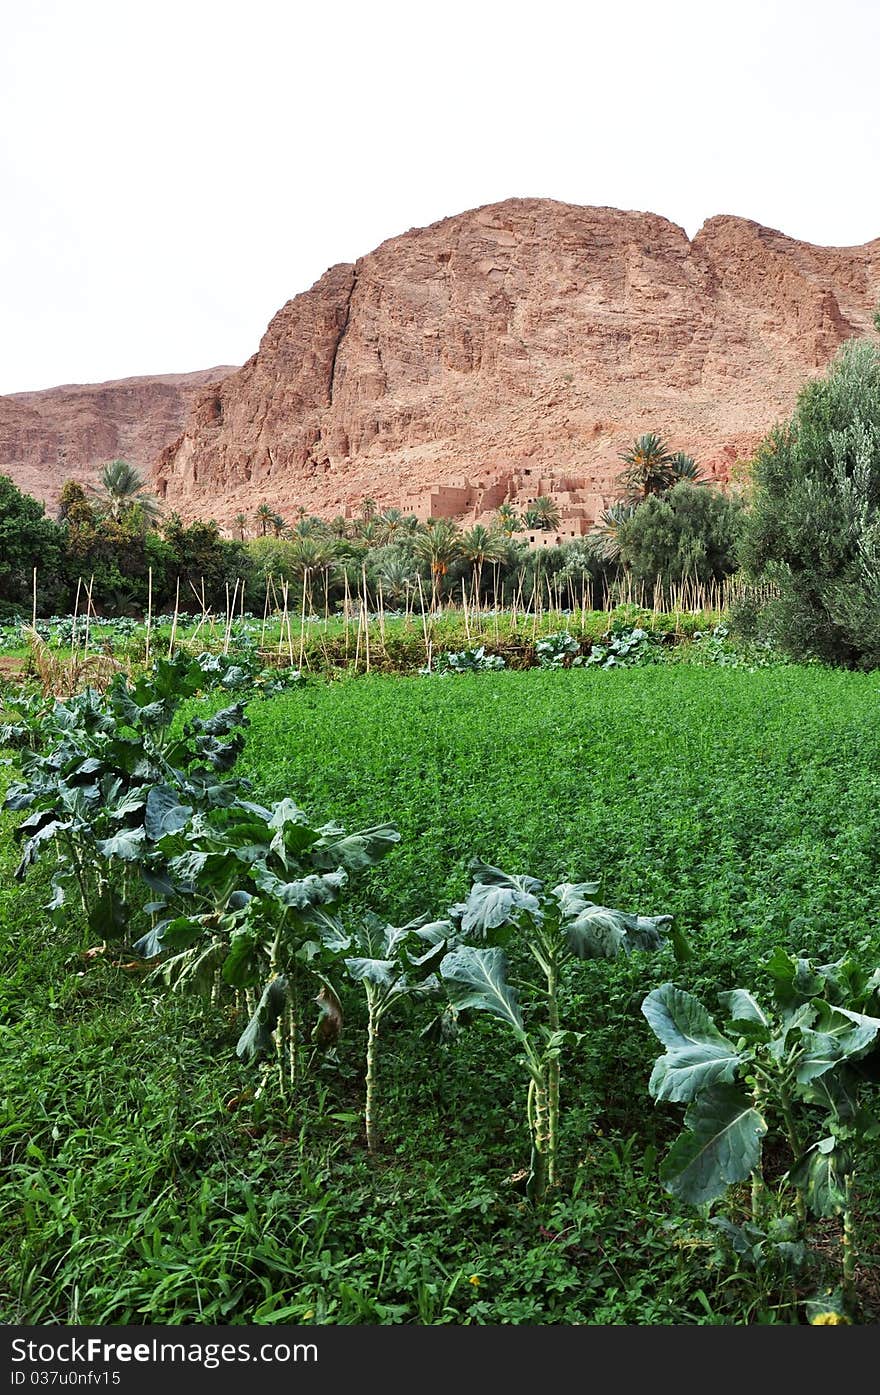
[339, 1004]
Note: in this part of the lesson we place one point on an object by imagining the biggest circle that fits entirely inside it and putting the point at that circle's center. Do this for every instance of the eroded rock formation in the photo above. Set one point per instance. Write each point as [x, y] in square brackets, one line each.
[70, 432]
[526, 334]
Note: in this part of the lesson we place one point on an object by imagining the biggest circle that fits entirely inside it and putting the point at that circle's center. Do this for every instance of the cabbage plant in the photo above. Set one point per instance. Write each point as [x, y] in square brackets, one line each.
[255, 893]
[392, 964]
[789, 1067]
[554, 928]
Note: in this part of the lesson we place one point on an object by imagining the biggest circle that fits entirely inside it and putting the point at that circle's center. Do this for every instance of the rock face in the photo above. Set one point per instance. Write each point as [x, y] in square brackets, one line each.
[524, 336]
[70, 432]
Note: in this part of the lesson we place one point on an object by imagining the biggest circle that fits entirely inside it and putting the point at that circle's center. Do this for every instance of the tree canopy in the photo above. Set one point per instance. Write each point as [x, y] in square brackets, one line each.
[28, 539]
[814, 525]
[688, 532]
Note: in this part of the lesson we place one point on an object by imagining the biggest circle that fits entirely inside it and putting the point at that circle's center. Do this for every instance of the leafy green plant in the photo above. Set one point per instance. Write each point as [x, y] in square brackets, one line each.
[553, 928]
[560, 650]
[787, 1069]
[466, 661]
[244, 671]
[622, 648]
[748, 801]
[253, 894]
[392, 964]
[106, 777]
[817, 477]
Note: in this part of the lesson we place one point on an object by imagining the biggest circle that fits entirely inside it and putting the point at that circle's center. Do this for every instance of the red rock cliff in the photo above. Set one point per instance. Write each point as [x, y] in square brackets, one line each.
[70, 432]
[527, 332]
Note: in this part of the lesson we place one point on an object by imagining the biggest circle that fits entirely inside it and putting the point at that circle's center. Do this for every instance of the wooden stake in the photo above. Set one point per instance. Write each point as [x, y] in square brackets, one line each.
[357, 647]
[149, 614]
[347, 613]
[230, 615]
[428, 645]
[302, 619]
[366, 617]
[88, 611]
[202, 620]
[276, 604]
[381, 614]
[73, 631]
[265, 611]
[174, 621]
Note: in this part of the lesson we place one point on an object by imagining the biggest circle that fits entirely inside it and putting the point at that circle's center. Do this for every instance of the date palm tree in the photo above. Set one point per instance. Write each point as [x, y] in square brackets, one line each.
[684, 467]
[439, 545]
[509, 520]
[367, 531]
[478, 546]
[240, 522]
[545, 513]
[390, 523]
[311, 559]
[120, 487]
[397, 578]
[308, 526]
[648, 467]
[278, 525]
[264, 515]
[605, 536]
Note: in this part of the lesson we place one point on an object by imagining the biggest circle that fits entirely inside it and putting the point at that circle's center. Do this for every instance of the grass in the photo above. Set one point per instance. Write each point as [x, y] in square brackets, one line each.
[143, 1183]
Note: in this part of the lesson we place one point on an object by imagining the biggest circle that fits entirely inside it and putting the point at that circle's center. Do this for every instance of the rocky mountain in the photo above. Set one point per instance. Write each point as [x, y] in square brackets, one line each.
[517, 346]
[528, 336]
[70, 432]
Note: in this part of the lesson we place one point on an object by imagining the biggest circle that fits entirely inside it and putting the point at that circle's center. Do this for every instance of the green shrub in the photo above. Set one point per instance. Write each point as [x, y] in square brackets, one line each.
[689, 533]
[814, 527]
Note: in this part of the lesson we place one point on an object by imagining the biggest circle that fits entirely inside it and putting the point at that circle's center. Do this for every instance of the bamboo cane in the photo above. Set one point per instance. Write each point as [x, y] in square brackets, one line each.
[302, 620]
[73, 630]
[357, 646]
[265, 612]
[174, 620]
[366, 617]
[149, 614]
[347, 613]
[88, 612]
[428, 645]
[381, 614]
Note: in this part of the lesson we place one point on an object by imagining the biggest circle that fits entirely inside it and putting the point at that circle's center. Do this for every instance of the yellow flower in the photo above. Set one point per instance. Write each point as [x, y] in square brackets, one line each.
[829, 1320]
[475, 1280]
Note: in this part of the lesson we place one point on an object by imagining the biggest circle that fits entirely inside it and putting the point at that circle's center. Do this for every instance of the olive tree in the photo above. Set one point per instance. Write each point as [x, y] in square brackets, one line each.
[814, 525]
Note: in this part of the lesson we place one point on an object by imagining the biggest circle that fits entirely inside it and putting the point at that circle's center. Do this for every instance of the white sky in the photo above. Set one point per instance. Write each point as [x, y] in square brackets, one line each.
[171, 172]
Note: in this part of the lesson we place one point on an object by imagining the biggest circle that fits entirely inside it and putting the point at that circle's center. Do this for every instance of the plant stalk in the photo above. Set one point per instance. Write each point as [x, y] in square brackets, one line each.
[553, 1073]
[291, 1042]
[794, 1144]
[374, 1016]
[849, 1242]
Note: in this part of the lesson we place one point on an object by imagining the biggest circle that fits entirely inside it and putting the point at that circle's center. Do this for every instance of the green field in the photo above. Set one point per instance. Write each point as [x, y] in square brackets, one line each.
[142, 1185]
